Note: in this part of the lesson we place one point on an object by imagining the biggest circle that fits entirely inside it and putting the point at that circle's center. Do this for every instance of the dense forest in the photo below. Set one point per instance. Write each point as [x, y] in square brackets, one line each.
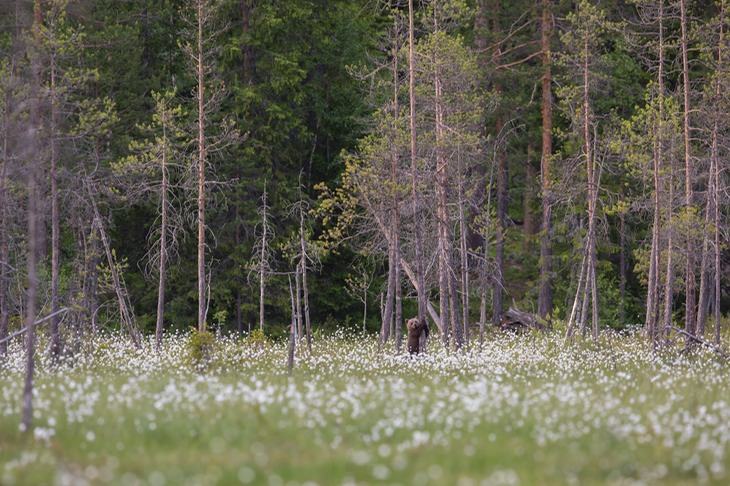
[233, 165]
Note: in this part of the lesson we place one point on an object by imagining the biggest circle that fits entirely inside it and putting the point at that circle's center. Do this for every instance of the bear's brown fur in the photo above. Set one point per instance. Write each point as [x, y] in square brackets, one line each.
[415, 329]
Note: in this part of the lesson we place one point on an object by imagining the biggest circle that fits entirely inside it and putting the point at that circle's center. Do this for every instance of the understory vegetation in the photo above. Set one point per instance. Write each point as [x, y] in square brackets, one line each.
[520, 409]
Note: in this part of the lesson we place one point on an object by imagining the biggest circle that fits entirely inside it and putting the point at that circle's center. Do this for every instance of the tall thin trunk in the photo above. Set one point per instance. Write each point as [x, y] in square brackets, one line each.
[32, 163]
[580, 290]
[4, 239]
[201, 70]
[592, 187]
[653, 290]
[545, 300]
[305, 287]
[669, 279]
[448, 290]
[262, 258]
[498, 282]
[716, 175]
[163, 243]
[622, 269]
[125, 314]
[464, 259]
[418, 233]
[704, 299]
[55, 347]
[527, 224]
[393, 260]
[292, 331]
[690, 303]
[498, 287]
[298, 288]
[246, 79]
[397, 324]
[485, 259]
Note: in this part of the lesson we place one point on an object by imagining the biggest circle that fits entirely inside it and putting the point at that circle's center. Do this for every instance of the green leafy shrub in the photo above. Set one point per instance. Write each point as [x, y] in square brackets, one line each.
[257, 339]
[200, 349]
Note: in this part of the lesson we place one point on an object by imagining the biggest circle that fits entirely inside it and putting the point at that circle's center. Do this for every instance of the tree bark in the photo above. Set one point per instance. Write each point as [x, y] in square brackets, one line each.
[690, 303]
[4, 237]
[305, 288]
[418, 232]
[55, 347]
[448, 290]
[498, 283]
[545, 300]
[200, 74]
[716, 177]
[527, 224]
[33, 135]
[163, 244]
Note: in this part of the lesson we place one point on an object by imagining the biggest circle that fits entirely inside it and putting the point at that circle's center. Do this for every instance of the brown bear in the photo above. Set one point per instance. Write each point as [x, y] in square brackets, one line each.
[416, 328]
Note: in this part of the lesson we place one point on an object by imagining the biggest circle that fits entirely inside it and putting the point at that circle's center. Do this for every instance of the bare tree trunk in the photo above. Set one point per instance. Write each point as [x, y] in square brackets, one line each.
[201, 71]
[690, 304]
[163, 245]
[125, 314]
[592, 190]
[669, 279]
[398, 306]
[4, 238]
[545, 300]
[704, 299]
[580, 289]
[716, 176]
[32, 283]
[298, 288]
[292, 331]
[622, 269]
[447, 281]
[263, 257]
[498, 287]
[304, 260]
[527, 224]
[387, 323]
[653, 290]
[32, 164]
[55, 213]
[485, 259]
[418, 233]
[464, 259]
[498, 283]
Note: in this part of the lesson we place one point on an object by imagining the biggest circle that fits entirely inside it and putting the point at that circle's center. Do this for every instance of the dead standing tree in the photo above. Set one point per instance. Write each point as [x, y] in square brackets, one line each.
[203, 28]
[155, 170]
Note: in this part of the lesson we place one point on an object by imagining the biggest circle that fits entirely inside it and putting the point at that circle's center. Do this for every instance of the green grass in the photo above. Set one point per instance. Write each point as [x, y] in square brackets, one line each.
[523, 410]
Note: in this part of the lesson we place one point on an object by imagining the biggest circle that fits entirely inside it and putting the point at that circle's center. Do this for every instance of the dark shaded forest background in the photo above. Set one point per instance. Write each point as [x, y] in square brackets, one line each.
[607, 118]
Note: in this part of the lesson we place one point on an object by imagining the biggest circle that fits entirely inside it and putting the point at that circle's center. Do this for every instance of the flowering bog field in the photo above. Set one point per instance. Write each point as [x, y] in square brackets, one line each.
[522, 410]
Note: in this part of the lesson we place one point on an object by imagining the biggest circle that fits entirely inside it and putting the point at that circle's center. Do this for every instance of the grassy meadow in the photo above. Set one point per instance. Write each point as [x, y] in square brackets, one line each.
[522, 410]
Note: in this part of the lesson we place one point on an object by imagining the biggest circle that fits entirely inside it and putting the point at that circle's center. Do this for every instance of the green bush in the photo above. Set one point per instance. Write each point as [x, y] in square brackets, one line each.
[200, 349]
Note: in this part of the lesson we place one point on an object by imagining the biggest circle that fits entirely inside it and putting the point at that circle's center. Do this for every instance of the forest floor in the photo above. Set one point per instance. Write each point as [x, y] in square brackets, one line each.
[521, 410]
